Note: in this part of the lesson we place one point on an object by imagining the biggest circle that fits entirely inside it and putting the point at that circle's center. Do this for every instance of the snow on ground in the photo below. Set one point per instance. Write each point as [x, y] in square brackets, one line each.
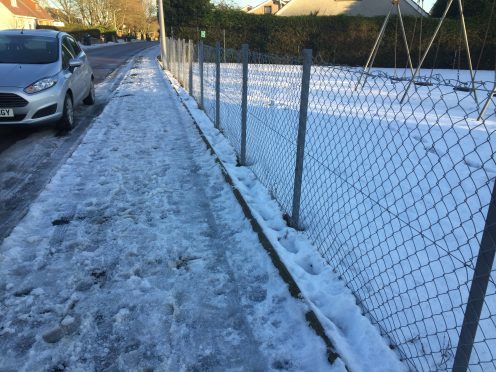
[137, 257]
[356, 340]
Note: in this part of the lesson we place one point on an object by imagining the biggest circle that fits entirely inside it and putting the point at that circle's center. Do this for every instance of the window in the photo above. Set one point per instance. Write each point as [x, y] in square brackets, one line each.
[267, 9]
[26, 49]
[13, 3]
[75, 46]
[67, 53]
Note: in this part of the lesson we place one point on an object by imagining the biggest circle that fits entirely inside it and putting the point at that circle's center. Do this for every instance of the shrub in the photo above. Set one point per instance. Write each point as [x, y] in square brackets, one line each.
[346, 39]
[79, 32]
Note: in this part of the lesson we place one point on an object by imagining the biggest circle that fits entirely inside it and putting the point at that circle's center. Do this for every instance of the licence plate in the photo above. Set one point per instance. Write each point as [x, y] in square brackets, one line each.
[6, 113]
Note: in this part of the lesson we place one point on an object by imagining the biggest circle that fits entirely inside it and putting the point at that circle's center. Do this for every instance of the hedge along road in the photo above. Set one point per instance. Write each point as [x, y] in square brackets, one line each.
[30, 156]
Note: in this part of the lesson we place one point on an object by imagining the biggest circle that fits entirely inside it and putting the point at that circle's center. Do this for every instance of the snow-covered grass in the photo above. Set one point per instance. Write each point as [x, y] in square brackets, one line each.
[394, 195]
[137, 257]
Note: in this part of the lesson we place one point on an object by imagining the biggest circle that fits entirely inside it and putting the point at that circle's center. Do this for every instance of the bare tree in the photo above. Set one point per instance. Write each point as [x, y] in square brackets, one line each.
[132, 15]
[63, 10]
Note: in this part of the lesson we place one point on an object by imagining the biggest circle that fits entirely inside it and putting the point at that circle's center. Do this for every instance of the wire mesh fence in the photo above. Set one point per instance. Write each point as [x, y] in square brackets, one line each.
[231, 79]
[273, 102]
[396, 197]
[209, 81]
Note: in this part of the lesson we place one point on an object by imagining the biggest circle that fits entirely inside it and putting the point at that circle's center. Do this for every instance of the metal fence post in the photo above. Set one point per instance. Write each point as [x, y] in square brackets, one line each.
[201, 57]
[217, 85]
[190, 85]
[302, 129]
[244, 102]
[173, 69]
[171, 59]
[178, 61]
[477, 294]
[168, 56]
[166, 62]
[173, 56]
[181, 59]
[171, 64]
[176, 45]
[173, 48]
[183, 63]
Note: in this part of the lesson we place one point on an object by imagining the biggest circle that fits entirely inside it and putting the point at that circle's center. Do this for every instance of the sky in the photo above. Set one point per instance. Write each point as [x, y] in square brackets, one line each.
[427, 3]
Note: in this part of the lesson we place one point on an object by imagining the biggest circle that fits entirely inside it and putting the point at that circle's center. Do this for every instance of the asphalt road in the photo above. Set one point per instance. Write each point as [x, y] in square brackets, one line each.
[105, 60]
[30, 156]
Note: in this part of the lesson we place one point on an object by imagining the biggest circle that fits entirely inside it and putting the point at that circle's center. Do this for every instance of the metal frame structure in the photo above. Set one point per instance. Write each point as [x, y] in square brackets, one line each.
[486, 105]
[436, 32]
[382, 32]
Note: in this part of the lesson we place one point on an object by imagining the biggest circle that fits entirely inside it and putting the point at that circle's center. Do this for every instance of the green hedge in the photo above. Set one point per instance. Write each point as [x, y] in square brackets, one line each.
[79, 32]
[345, 39]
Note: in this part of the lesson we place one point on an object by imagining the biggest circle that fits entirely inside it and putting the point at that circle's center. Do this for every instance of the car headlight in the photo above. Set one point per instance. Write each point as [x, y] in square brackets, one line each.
[41, 85]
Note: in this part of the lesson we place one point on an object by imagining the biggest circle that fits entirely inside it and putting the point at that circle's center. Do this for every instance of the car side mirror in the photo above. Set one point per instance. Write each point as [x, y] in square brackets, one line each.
[74, 63]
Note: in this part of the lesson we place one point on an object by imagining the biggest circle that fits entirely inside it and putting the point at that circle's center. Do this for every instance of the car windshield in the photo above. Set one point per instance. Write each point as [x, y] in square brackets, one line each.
[28, 49]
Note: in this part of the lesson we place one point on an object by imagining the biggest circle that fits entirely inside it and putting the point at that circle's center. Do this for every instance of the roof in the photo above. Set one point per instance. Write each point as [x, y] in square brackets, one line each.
[45, 33]
[262, 4]
[26, 8]
[368, 8]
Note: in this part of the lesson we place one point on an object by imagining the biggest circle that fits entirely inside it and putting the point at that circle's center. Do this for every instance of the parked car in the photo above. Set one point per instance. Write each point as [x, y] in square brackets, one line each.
[44, 75]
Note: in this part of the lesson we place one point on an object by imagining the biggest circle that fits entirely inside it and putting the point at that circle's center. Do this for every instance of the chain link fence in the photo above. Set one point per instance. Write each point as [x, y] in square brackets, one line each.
[398, 198]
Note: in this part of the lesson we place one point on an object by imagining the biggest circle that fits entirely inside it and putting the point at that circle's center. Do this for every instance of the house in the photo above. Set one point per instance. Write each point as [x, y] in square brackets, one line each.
[19, 14]
[267, 7]
[366, 8]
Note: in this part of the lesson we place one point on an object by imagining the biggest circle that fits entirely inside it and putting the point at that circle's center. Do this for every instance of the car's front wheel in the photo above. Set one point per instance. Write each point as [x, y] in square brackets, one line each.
[67, 120]
[91, 98]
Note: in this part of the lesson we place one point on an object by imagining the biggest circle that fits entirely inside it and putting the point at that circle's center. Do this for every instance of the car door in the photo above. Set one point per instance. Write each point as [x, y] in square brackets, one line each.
[76, 77]
[85, 68]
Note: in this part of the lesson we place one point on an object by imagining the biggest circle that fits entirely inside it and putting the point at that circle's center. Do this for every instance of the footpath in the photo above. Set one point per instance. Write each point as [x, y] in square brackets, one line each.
[137, 257]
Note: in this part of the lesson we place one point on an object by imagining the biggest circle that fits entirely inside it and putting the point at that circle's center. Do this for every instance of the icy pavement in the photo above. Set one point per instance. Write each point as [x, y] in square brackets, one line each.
[138, 257]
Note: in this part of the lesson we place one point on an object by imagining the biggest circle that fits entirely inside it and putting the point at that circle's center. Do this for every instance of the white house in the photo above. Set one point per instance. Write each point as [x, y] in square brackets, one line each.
[27, 14]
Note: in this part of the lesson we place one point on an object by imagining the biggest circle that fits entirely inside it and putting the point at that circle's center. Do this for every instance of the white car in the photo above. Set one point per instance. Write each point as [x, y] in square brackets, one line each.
[44, 74]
